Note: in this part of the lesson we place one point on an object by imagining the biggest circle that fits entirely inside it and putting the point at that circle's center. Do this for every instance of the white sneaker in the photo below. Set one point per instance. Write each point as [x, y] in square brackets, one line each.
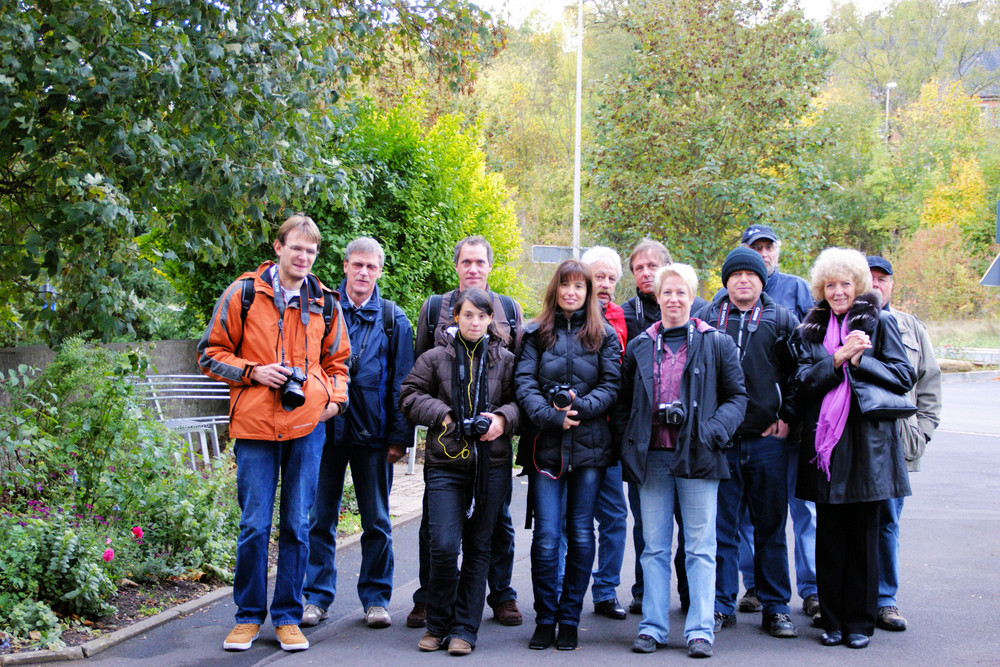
[377, 617]
[312, 615]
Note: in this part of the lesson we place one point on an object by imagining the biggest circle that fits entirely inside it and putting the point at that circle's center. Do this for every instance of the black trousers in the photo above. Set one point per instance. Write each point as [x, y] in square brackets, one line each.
[847, 566]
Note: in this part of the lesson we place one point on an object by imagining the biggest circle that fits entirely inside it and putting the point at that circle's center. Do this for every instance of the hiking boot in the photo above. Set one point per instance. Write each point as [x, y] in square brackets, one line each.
[699, 648]
[458, 646]
[724, 620]
[779, 625]
[429, 642]
[417, 618]
[291, 638]
[889, 619]
[507, 613]
[312, 615]
[241, 637]
[750, 603]
[811, 605]
[377, 617]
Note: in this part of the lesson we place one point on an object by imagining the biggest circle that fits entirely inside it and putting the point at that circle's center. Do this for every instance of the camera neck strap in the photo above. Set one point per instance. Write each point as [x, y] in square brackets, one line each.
[469, 379]
[755, 314]
[659, 345]
[281, 305]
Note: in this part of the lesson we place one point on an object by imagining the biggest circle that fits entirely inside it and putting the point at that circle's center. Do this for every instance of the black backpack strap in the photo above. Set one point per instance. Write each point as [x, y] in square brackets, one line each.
[510, 310]
[246, 300]
[388, 318]
[433, 313]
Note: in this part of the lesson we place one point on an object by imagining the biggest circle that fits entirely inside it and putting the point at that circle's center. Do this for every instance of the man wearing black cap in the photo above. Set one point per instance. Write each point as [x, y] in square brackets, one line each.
[758, 458]
[914, 434]
[793, 293]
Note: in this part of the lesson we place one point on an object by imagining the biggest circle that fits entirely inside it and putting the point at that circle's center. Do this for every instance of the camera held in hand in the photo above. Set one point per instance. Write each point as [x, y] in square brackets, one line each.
[560, 395]
[670, 414]
[292, 395]
[475, 426]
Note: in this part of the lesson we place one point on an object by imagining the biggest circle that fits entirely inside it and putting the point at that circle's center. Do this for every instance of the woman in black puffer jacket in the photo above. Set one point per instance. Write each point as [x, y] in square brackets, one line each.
[567, 352]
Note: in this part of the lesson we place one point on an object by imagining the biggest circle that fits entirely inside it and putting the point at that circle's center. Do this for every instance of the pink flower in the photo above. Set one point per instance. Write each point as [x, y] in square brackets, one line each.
[107, 540]
[137, 532]
[109, 555]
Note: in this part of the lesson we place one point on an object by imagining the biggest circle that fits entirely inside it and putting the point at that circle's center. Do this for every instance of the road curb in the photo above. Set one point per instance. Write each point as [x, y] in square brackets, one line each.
[971, 376]
[95, 646]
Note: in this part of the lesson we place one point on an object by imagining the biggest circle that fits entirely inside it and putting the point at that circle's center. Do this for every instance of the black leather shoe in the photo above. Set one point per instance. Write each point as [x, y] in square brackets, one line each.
[545, 634]
[610, 609]
[856, 640]
[635, 606]
[568, 639]
[779, 625]
[645, 644]
[831, 638]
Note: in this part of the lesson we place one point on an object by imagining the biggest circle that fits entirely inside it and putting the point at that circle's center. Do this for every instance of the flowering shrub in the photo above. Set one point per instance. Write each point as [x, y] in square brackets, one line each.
[93, 490]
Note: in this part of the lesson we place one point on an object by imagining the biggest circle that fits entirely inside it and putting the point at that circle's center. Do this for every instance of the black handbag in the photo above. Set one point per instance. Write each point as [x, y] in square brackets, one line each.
[878, 403]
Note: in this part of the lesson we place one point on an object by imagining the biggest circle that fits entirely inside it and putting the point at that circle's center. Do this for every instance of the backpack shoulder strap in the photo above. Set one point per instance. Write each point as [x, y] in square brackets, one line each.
[388, 318]
[246, 300]
[510, 310]
[433, 314]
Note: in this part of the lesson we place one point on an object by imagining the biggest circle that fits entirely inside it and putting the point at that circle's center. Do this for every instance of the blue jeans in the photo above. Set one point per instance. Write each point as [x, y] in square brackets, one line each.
[757, 469]
[635, 505]
[697, 499]
[888, 551]
[258, 466]
[612, 524]
[580, 488]
[455, 598]
[803, 514]
[372, 476]
[501, 556]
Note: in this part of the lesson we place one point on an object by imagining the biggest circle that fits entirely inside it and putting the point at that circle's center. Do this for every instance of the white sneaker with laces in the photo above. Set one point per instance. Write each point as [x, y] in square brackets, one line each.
[312, 615]
[377, 617]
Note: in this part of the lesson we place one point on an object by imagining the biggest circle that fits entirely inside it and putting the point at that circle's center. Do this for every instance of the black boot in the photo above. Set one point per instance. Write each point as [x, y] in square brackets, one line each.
[544, 635]
[568, 639]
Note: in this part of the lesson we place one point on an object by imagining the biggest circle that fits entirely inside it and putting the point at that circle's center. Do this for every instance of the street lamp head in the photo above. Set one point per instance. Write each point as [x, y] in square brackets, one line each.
[891, 84]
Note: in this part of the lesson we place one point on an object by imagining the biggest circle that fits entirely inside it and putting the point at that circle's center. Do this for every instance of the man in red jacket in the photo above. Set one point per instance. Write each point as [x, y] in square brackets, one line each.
[611, 512]
[277, 338]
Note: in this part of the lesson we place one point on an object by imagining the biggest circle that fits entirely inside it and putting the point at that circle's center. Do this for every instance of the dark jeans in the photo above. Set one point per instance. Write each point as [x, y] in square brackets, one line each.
[455, 597]
[847, 566]
[757, 468]
[580, 488]
[501, 555]
[372, 476]
[636, 507]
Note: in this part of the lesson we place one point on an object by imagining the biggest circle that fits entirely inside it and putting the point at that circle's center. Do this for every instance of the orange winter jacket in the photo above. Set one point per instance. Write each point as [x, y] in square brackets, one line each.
[230, 349]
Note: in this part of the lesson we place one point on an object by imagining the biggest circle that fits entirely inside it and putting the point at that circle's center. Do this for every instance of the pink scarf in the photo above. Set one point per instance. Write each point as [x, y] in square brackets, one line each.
[836, 404]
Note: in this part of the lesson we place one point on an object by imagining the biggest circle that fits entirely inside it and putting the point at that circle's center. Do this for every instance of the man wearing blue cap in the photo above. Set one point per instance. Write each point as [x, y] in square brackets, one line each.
[793, 293]
[914, 434]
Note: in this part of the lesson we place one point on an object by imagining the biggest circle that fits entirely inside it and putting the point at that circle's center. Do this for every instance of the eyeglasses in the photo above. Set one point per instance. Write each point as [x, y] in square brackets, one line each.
[298, 250]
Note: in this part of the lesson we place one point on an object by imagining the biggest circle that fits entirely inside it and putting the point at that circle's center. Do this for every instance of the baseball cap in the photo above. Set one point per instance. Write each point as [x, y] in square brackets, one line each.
[756, 232]
[880, 263]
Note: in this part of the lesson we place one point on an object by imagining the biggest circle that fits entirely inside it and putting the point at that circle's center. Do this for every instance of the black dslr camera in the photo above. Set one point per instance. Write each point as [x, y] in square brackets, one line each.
[475, 426]
[560, 396]
[670, 414]
[292, 395]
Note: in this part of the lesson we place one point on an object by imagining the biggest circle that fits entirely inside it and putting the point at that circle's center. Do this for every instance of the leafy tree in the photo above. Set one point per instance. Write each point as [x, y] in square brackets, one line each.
[131, 132]
[699, 136]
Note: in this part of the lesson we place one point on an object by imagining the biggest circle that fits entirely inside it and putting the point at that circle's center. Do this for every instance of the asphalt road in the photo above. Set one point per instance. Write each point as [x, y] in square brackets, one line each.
[950, 587]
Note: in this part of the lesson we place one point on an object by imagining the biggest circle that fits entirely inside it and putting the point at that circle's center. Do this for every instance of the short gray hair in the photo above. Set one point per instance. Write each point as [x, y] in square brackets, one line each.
[365, 244]
[600, 254]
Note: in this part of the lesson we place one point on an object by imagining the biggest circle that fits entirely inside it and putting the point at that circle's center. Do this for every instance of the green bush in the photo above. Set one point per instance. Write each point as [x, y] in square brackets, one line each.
[94, 489]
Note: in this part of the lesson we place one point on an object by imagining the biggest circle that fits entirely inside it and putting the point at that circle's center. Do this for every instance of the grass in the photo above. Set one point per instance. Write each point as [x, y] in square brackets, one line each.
[964, 333]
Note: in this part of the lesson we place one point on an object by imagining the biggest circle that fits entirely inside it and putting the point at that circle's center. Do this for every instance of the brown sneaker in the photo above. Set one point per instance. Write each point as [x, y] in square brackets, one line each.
[429, 642]
[417, 618]
[241, 637]
[291, 638]
[459, 647]
[507, 613]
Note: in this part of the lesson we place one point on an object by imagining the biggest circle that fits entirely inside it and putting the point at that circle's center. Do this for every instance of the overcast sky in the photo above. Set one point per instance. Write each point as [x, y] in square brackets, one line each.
[516, 10]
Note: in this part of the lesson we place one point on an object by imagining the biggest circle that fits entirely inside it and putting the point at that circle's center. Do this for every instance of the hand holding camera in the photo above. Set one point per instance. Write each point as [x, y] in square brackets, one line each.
[562, 396]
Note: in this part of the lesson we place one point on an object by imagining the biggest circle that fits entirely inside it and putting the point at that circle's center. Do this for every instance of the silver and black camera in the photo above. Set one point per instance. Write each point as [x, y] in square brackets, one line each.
[292, 395]
[560, 396]
[670, 414]
[475, 426]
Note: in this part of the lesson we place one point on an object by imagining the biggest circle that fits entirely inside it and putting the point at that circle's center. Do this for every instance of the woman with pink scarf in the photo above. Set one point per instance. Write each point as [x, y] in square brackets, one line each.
[847, 463]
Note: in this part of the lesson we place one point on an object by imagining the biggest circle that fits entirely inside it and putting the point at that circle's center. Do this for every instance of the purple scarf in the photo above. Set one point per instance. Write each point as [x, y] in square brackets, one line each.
[836, 404]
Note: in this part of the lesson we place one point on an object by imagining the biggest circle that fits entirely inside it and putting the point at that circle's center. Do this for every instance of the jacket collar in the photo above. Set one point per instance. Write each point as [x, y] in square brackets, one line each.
[863, 314]
[367, 311]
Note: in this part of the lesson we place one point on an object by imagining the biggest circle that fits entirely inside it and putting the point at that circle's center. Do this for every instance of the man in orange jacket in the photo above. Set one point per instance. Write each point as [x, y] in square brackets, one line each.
[277, 337]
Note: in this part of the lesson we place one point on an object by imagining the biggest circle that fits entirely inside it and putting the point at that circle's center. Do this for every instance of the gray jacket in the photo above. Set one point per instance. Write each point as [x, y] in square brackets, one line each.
[916, 431]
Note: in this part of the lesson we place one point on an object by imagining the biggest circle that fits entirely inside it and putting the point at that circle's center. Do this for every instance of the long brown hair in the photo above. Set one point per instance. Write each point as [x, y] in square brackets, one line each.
[591, 334]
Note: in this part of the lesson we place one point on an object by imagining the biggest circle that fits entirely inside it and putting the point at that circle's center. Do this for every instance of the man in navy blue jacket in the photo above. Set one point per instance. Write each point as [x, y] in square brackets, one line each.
[370, 438]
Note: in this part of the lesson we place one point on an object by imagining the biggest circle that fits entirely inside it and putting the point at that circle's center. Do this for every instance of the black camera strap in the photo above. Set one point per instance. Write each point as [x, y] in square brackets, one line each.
[470, 382]
[723, 323]
[279, 302]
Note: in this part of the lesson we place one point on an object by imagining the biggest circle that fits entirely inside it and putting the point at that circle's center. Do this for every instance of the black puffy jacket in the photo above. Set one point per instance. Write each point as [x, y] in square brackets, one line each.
[867, 463]
[594, 376]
